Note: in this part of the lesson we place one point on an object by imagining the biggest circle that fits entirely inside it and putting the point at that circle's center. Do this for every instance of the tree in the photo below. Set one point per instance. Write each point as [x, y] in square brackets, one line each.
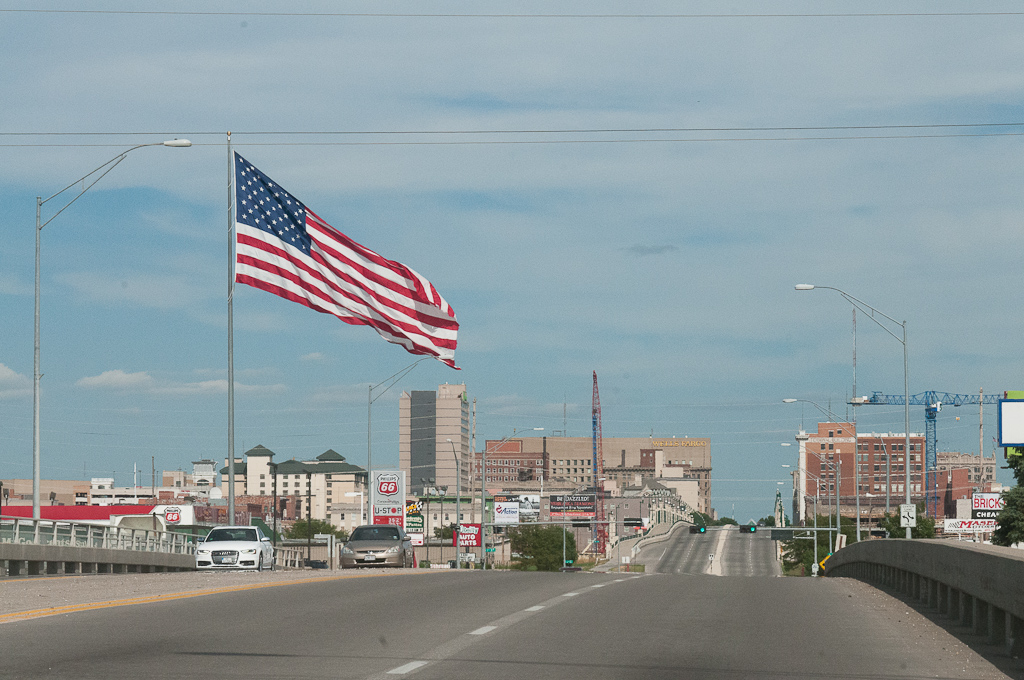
[1010, 527]
[301, 529]
[445, 532]
[767, 521]
[540, 547]
[925, 525]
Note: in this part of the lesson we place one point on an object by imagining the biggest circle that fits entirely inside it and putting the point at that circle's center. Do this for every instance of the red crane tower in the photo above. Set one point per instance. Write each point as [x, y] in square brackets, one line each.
[600, 525]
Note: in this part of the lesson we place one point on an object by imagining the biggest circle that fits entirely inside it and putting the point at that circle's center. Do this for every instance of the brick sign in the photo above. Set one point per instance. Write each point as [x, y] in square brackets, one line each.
[986, 505]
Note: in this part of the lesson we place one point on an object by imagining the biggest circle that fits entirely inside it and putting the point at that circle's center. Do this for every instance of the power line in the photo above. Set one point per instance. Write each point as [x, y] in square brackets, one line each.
[541, 142]
[638, 130]
[425, 15]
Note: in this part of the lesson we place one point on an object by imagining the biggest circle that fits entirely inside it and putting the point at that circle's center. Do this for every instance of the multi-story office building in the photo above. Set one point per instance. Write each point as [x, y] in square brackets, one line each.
[433, 431]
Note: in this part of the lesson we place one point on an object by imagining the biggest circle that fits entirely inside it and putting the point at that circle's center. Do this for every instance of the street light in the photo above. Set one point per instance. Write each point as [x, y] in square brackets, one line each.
[871, 311]
[483, 494]
[834, 418]
[458, 505]
[369, 413]
[36, 374]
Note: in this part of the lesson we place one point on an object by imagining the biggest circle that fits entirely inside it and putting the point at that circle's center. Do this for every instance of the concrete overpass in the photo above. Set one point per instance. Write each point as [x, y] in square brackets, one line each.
[664, 623]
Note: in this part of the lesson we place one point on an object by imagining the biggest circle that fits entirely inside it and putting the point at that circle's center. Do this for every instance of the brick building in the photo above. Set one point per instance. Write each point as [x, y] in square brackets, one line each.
[831, 454]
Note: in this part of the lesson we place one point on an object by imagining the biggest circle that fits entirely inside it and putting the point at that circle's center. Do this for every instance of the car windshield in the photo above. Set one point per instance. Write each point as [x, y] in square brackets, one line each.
[380, 533]
[232, 535]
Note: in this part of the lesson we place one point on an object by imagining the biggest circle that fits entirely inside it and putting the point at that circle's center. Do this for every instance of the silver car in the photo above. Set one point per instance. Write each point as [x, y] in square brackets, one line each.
[238, 547]
[377, 545]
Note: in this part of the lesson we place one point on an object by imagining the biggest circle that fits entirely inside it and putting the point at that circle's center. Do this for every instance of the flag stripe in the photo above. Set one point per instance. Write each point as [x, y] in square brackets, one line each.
[284, 248]
[319, 281]
[294, 278]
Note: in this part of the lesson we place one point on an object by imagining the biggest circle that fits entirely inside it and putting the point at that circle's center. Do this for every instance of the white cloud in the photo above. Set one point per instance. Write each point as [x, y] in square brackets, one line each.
[313, 356]
[13, 385]
[142, 382]
[118, 380]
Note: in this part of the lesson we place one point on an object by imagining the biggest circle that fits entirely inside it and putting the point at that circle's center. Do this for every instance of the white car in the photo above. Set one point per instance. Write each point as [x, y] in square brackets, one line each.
[235, 548]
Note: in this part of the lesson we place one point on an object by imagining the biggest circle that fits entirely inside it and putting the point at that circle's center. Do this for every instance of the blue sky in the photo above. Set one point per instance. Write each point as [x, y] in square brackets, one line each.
[662, 255]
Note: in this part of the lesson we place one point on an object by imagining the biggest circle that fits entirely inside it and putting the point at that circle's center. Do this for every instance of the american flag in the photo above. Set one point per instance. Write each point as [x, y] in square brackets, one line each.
[284, 248]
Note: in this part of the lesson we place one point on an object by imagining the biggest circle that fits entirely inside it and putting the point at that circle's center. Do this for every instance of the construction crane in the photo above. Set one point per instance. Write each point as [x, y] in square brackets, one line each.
[932, 402]
[600, 527]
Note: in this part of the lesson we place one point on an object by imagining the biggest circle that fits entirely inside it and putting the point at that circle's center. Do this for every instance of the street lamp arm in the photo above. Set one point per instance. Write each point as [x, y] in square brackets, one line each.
[865, 308]
[105, 167]
[828, 412]
[393, 379]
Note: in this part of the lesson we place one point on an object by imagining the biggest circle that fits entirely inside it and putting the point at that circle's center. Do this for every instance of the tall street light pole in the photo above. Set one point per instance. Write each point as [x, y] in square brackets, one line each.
[369, 413]
[856, 474]
[871, 312]
[458, 504]
[100, 173]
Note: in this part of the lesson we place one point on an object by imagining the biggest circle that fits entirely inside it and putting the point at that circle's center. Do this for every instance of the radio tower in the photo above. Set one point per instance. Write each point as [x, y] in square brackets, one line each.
[600, 527]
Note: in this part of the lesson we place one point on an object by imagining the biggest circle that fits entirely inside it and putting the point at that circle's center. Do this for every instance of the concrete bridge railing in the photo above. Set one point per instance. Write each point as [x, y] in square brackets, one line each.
[981, 586]
[33, 547]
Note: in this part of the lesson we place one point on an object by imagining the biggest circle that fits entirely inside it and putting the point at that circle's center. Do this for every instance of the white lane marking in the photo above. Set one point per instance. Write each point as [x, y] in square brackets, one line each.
[535, 608]
[599, 585]
[570, 595]
[483, 631]
[407, 668]
[618, 580]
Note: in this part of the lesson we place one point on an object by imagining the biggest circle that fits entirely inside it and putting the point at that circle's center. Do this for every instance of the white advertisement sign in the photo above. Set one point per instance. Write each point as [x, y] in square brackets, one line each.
[969, 526]
[506, 512]
[387, 497]
[986, 505]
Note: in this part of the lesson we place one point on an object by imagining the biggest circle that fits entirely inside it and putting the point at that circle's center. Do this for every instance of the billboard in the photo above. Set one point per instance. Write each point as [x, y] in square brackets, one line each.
[529, 507]
[506, 509]
[986, 505]
[969, 526]
[387, 497]
[580, 505]
[1011, 422]
[469, 536]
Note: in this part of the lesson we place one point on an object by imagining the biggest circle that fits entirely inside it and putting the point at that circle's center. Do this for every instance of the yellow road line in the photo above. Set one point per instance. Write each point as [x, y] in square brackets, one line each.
[71, 608]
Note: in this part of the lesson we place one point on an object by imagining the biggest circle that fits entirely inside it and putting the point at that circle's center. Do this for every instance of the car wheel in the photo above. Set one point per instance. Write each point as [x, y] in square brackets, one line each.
[259, 564]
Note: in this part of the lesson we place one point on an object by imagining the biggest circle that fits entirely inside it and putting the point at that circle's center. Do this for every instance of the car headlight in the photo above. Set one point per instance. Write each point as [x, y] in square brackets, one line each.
[393, 550]
[202, 552]
[347, 551]
[250, 551]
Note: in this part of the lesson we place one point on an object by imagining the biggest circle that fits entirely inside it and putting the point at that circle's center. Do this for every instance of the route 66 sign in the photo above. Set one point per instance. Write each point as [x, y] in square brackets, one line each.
[387, 484]
[387, 497]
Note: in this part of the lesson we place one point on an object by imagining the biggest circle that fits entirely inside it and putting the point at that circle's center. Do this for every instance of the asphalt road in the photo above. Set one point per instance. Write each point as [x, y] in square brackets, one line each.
[506, 625]
[735, 554]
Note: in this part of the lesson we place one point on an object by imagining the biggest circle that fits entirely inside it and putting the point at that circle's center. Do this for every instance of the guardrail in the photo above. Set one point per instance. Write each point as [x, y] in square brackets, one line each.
[980, 586]
[33, 547]
[75, 534]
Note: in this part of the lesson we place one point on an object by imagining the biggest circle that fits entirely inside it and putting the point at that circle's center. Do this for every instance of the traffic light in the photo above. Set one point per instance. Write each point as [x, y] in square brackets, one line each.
[698, 530]
[632, 522]
[748, 528]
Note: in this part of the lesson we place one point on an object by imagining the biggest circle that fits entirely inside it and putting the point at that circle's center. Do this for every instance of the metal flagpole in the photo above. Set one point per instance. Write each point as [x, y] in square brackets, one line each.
[231, 340]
